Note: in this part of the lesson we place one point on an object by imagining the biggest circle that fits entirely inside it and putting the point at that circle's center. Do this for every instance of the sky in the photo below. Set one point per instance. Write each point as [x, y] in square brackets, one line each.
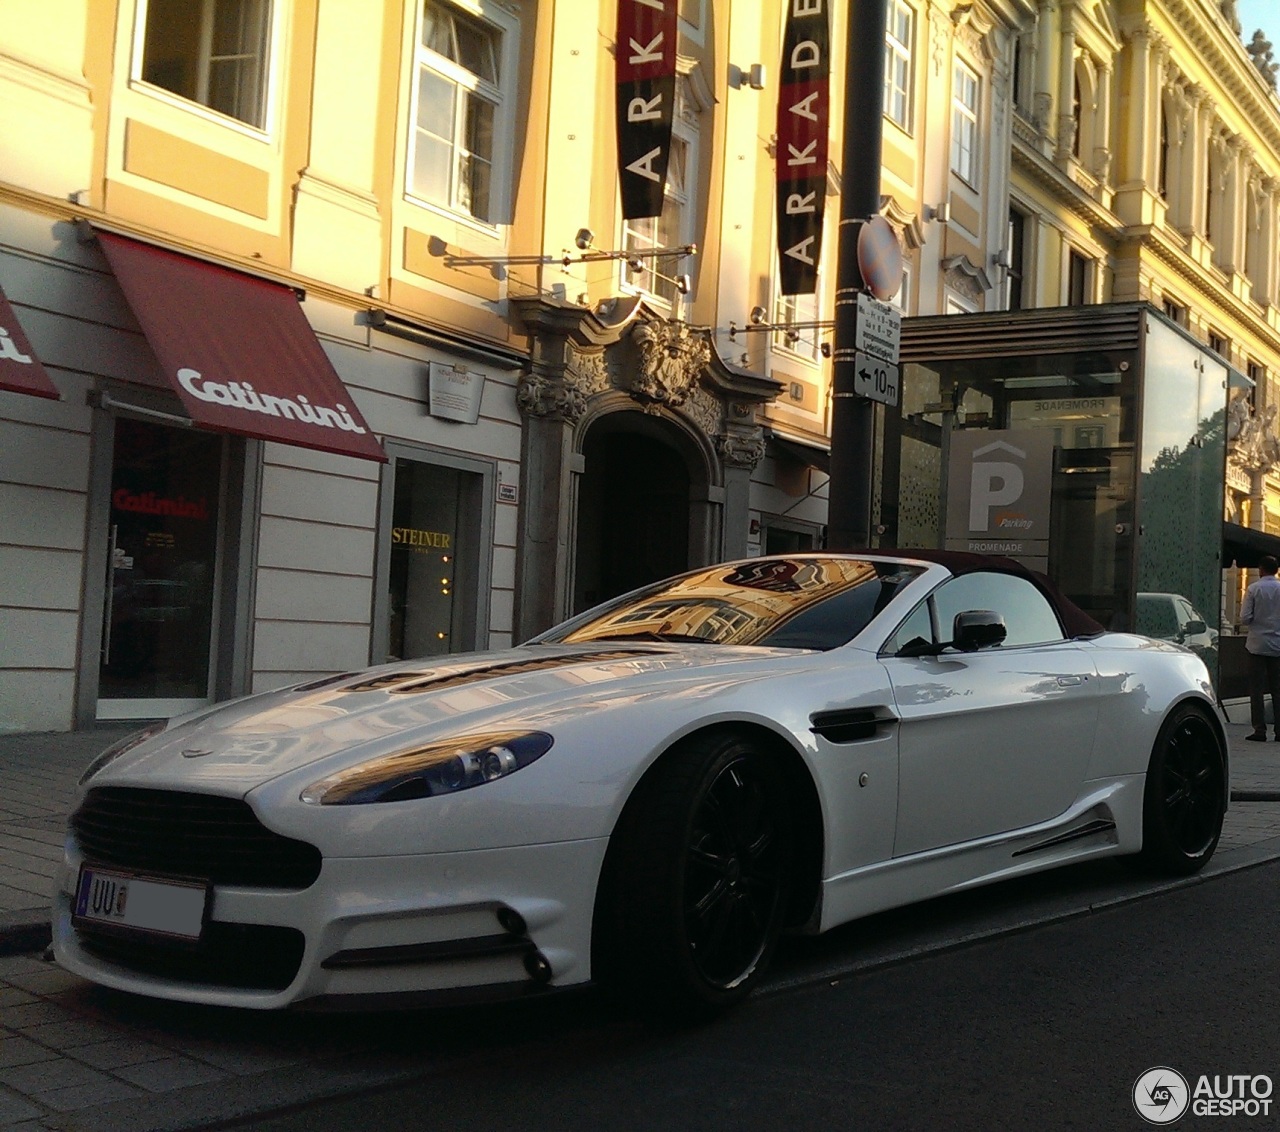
[1264, 14]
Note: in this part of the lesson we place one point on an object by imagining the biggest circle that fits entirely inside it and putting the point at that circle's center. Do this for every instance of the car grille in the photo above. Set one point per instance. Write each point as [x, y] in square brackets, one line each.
[248, 956]
[202, 836]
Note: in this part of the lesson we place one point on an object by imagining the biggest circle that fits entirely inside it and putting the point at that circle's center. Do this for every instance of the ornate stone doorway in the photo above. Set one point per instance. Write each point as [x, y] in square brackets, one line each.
[633, 509]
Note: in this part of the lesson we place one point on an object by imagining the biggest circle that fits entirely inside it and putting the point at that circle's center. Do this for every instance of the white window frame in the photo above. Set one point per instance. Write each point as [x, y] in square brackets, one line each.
[899, 51]
[966, 91]
[502, 96]
[686, 198]
[270, 63]
[902, 300]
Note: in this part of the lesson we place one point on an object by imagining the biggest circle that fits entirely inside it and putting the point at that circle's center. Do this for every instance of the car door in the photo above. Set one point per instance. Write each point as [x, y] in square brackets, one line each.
[992, 740]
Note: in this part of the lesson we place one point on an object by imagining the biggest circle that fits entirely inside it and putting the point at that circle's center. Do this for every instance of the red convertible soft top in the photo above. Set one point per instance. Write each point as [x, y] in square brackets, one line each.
[1075, 621]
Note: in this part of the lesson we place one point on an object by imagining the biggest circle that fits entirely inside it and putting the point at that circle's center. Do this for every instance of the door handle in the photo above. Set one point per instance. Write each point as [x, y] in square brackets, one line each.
[1070, 681]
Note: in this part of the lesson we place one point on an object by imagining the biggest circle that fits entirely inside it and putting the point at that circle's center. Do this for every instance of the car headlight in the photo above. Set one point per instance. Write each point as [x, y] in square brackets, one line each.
[125, 745]
[439, 768]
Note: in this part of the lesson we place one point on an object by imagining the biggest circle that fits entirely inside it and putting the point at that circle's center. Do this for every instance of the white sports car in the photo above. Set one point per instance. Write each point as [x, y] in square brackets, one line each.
[645, 796]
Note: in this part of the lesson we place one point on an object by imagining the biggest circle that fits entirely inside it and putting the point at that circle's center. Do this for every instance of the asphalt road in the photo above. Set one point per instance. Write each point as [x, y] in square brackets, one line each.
[1047, 1028]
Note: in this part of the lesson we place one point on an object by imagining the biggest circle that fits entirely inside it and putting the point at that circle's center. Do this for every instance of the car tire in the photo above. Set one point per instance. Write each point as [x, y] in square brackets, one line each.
[695, 887]
[1185, 795]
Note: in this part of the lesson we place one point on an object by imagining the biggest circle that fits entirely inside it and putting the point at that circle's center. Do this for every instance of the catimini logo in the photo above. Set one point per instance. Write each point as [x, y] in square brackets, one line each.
[241, 395]
[149, 503]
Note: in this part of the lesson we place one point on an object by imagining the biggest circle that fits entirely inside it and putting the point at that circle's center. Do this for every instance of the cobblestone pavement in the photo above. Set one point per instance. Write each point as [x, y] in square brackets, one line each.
[75, 1056]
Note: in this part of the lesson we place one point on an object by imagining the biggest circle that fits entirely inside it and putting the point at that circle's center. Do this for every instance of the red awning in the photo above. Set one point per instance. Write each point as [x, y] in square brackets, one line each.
[239, 351]
[20, 369]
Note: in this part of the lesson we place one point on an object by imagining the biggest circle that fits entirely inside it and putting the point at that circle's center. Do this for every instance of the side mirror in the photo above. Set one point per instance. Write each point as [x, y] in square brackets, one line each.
[1193, 628]
[978, 629]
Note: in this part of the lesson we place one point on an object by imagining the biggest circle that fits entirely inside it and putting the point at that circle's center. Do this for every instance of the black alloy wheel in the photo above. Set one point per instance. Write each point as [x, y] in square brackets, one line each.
[1185, 796]
[695, 889]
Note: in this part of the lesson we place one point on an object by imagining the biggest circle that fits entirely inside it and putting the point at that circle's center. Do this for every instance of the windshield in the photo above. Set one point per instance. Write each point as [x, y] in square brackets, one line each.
[797, 603]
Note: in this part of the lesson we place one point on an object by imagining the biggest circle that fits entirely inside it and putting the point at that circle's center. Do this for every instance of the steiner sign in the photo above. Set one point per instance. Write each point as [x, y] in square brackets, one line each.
[804, 105]
[646, 94]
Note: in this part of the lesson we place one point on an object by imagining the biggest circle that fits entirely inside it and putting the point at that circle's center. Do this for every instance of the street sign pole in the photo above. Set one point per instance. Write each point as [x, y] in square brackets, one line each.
[852, 419]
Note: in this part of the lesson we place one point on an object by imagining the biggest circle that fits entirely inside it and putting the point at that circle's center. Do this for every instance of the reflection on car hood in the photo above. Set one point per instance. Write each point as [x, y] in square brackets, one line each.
[241, 744]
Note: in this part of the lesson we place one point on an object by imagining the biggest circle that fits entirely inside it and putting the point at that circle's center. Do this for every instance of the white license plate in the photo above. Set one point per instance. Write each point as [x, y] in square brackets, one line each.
[165, 907]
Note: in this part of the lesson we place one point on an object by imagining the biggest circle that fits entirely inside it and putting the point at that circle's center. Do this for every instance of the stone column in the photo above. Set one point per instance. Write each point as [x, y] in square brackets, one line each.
[1194, 170]
[1042, 94]
[740, 452]
[1262, 262]
[1102, 127]
[1066, 85]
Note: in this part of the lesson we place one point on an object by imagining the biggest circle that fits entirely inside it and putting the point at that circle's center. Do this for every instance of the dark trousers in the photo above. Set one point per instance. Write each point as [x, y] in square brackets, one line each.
[1264, 679]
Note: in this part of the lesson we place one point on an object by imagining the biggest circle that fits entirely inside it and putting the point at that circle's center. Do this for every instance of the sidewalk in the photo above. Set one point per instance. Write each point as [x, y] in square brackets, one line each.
[39, 773]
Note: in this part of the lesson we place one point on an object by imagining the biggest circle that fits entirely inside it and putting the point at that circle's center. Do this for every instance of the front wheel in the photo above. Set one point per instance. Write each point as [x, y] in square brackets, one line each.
[1186, 794]
[697, 881]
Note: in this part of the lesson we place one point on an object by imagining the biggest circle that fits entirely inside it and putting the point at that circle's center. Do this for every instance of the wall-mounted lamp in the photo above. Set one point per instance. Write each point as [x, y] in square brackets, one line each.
[939, 212]
[754, 76]
[757, 315]
[1001, 258]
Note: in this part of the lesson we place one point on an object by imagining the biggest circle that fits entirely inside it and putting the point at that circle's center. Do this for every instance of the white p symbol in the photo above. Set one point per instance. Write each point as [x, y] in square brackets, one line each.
[993, 485]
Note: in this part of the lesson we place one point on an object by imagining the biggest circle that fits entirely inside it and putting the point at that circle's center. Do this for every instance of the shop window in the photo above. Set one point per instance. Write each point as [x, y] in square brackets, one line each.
[434, 568]
[898, 71]
[964, 123]
[213, 52]
[460, 99]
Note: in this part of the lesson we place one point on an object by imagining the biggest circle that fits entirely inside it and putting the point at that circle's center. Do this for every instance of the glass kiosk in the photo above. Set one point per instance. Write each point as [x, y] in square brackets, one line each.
[1088, 442]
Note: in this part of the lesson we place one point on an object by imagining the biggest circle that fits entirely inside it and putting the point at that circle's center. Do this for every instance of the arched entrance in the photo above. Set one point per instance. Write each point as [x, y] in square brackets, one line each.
[633, 508]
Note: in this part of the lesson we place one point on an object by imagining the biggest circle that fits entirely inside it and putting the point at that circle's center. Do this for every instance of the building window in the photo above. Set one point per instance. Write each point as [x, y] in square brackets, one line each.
[662, 277]
[1219, 345]
[1017, 251]
[902, 300]
[964, 123]
[1076, 123]
[458, 102]
[1163, 171]
[1023, 48]
[1176, 312]
[897, 64]
[794, 316]
[214, 52]
[1077, 280]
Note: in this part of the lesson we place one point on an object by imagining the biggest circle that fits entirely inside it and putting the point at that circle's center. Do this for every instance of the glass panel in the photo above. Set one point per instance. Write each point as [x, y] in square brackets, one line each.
[435, 103]
[476, 49]
[171, 51]
[164, 523]
[432, 546]
[1027, 614]
[238, 64]
[437, 31]
[431, 158]
[476, 165]
[1182, 468]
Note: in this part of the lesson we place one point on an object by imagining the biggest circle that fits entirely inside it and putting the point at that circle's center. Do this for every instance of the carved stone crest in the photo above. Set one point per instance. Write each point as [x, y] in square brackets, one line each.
[671, 359]
[741, 450]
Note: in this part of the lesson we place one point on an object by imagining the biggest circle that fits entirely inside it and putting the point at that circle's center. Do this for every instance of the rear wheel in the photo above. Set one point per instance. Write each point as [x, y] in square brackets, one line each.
[695, 890]
[1186, 794]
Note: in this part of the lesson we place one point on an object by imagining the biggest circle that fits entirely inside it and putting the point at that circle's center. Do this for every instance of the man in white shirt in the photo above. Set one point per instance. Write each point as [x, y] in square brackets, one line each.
[1261, 614]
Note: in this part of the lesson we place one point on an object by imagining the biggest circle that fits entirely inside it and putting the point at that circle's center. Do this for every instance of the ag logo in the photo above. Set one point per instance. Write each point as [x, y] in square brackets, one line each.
[1161, 1095]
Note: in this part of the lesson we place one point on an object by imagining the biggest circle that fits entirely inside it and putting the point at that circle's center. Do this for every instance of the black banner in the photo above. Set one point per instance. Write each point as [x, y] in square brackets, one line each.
[804, 114]
[646, 94]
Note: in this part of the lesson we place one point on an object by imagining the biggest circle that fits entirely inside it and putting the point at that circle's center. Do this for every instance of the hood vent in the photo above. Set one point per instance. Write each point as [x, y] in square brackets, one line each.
[407, 682]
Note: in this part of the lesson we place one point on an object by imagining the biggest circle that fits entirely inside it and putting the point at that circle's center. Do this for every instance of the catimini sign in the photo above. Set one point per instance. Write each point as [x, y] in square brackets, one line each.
[241, 395]
[646, 94]
[804, 110]
[149, 503]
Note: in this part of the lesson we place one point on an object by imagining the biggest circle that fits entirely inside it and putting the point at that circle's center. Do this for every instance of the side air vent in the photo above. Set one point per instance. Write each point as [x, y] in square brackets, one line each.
[850, 725]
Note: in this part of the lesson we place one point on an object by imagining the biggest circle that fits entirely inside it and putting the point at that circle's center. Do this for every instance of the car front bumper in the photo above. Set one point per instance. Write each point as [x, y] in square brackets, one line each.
[370, 930]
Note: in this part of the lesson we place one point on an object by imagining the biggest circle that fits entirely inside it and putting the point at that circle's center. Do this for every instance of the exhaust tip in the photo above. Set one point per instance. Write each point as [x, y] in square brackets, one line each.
[538, 967]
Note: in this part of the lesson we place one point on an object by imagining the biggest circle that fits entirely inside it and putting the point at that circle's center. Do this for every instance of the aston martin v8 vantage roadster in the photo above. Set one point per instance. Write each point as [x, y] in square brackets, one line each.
[645, 796]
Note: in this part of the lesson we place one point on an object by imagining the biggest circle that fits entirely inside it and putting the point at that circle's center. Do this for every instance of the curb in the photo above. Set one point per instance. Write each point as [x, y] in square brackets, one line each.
[19, 936]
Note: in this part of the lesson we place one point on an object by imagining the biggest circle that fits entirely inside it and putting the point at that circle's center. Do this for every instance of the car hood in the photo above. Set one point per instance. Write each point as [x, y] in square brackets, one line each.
[237, 746]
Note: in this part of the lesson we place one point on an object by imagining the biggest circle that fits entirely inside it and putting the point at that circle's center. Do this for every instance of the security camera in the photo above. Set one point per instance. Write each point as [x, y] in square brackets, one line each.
[635, 263]
[684, 284]
[583, 239]
[757, 315]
